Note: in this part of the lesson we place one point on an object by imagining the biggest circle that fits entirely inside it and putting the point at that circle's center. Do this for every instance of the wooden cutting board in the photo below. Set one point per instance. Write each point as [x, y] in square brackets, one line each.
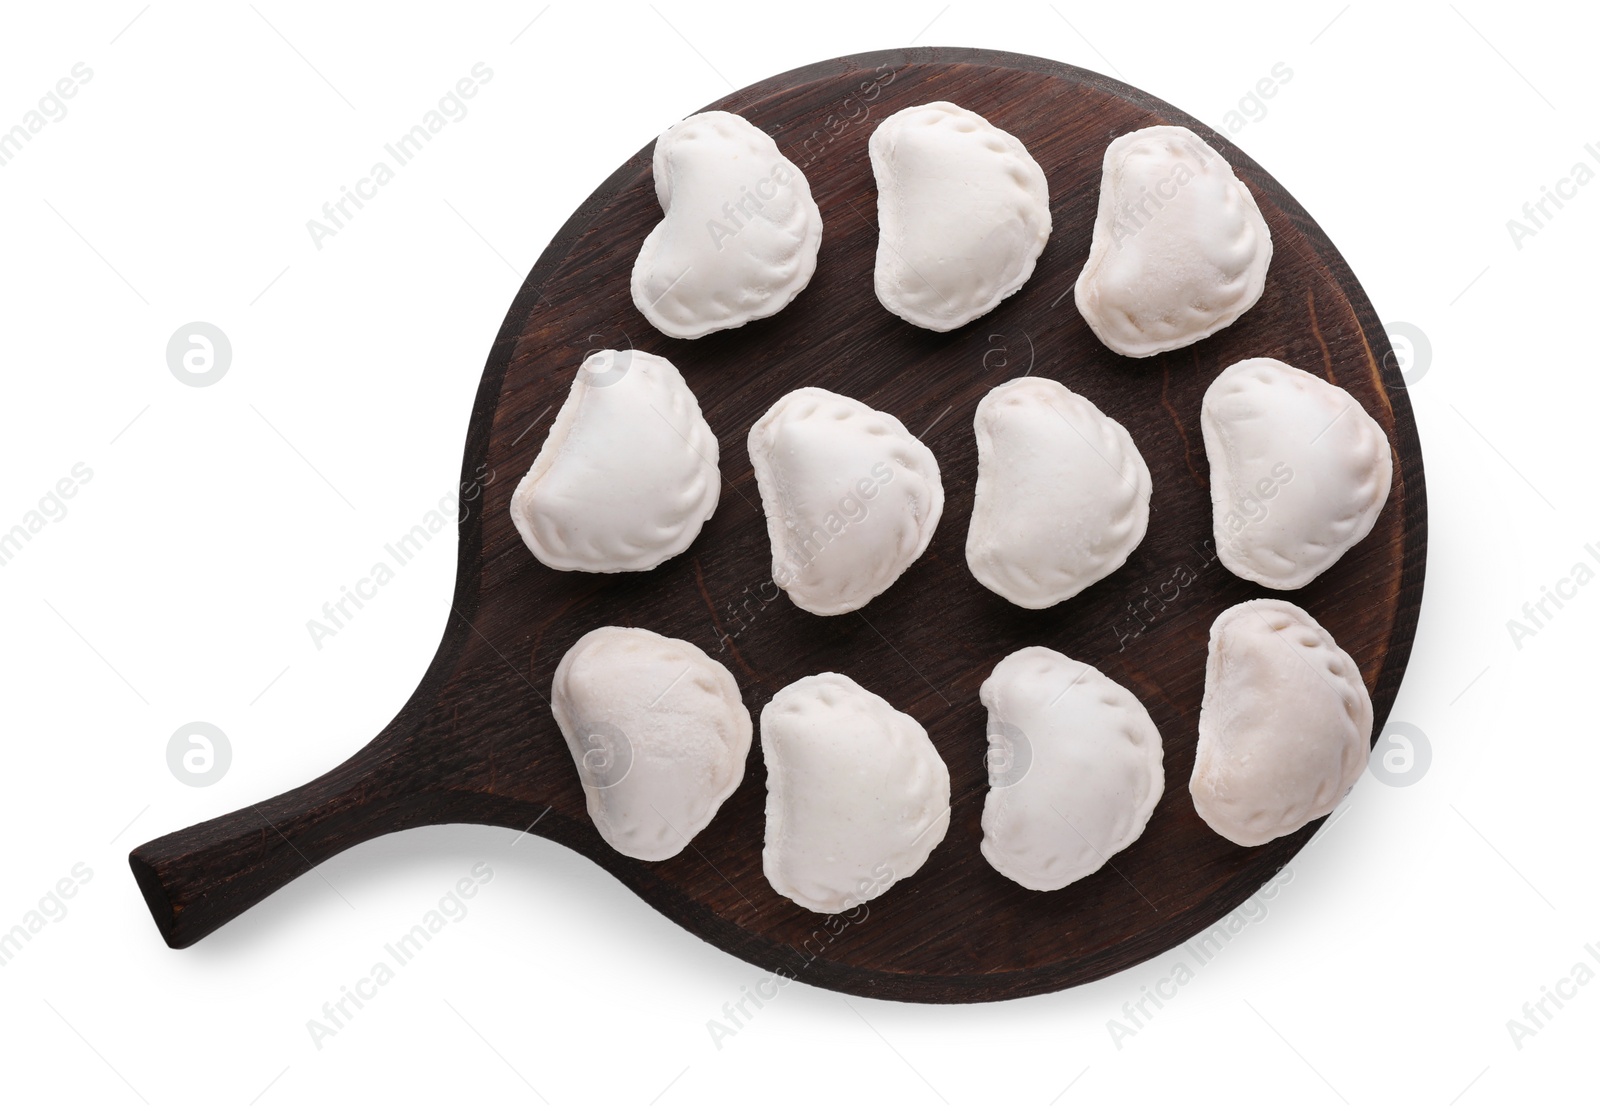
[477, 743]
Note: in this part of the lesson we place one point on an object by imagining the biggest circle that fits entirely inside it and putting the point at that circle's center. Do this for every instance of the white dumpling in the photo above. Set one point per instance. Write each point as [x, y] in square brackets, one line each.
[1180, 249]
[658, 732]
[1285, 723]
[963, 212]
[739, 231]
[627, 475]
[1299, 471]
[1063, 495]
[1074, 769]
[857, 796]
[851, 498]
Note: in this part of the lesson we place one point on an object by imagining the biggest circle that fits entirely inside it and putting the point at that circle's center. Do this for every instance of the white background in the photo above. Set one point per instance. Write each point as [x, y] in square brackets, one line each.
[218, 521]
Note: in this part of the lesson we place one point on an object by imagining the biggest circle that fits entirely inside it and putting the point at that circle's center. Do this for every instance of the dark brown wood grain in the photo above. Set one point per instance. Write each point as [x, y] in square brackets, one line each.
[477, 743]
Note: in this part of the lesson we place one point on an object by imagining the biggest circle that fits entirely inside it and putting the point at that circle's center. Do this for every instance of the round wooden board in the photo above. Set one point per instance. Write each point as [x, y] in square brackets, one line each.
[956, 930]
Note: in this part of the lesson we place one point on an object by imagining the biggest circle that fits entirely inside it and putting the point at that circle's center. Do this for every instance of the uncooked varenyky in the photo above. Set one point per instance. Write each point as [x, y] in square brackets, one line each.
[857, 796]
[628, 473]
[963, 212]
[739, 231]
[1180, 249]
[1074, 769]
[1285, 723]
[1299, 471]
[1062, 498]
[851, 498]
[658, 733]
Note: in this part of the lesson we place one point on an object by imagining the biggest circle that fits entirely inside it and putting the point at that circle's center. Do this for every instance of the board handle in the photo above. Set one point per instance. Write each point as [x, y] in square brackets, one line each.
[200, 878]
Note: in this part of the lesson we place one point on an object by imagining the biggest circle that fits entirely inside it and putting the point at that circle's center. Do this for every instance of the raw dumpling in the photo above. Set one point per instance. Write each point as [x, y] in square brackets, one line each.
[1180, 249]
[658, 732]
[628, 473]
[1285, 723]
[739, 232]
[963, 212]
[851, 498]
[1063, 495]
[1074, 769]
[1299, 471]
[857, 796]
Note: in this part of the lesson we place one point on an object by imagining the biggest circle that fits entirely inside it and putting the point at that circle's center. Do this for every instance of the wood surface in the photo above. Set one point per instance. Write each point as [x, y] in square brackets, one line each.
[477, 742]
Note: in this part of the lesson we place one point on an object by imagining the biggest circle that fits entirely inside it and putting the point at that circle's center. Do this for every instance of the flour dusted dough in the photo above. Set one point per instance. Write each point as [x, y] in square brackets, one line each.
[1299, 471]
[1180, 249]
[1285, 723]
[658, 733]
[851, 498]
[1063, 495]
[739, 231]
[1074, 769]
[963, 212]
[857, 796]
[628, 473]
